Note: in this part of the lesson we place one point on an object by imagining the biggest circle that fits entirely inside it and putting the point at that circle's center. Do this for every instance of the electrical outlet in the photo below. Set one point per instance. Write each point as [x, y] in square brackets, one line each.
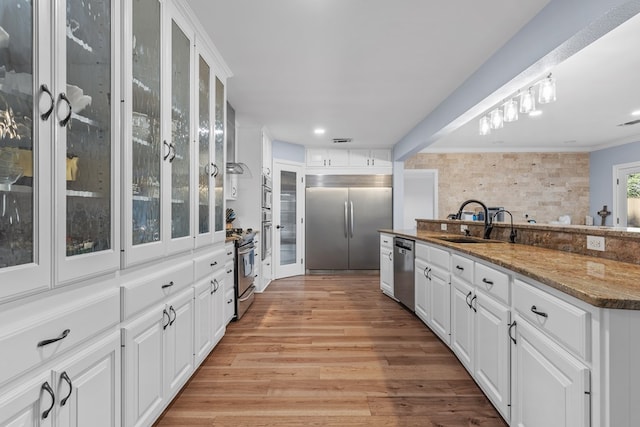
[595, 243]
[443, 227]
[464, 227]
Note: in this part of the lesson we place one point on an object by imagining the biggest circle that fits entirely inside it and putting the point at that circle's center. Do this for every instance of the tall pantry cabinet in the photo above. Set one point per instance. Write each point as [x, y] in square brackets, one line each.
[111, 188]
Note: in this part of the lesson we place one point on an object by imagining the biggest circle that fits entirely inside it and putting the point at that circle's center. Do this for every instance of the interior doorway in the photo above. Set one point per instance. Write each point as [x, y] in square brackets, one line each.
[288, 217]
[626, 195]
[420, 196]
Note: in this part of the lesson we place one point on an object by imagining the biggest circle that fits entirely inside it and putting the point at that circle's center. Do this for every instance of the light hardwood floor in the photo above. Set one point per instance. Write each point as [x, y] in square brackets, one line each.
[330, 351]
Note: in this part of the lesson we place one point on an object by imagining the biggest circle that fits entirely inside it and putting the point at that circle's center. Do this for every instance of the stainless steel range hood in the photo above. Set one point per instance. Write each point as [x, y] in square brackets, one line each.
[233, 167]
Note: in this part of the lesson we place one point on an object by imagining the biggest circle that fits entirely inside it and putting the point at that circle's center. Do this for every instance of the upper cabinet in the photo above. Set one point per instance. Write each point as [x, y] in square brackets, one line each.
[173, 152]
[58, 128]
[348, 158]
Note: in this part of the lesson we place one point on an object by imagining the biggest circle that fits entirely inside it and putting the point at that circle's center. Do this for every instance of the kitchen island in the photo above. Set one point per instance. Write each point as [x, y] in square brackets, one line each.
[548, 335]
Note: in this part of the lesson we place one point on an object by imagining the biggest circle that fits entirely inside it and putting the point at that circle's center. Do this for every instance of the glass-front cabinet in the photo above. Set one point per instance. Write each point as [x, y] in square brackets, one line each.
[171, 162]
[57, 177]
[86, 173]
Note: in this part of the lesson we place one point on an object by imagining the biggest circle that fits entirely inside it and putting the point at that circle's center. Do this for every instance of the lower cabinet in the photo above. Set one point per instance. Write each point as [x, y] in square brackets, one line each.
[158, 356]
[462, 322]
[229, 309]
[550, 387]
[422, 290]
[440, 319]
[208, 313]
[82, 391]
[386, 270]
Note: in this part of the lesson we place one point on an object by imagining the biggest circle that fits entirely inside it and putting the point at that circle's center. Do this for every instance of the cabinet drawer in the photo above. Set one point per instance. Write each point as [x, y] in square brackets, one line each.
[152, 288]
[422, 251]
[462, 268]
[24, 343]
[439, 258]
[566, 323]
[492, 282]
[209, 263]
[229, 252]
[386, 240]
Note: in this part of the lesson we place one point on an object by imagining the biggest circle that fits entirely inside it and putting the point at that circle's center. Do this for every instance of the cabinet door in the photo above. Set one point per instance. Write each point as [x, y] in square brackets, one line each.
[205, 157]
[86, 139]
[422, 289]
[88, 387]
[550, 386]
[144, 148]
[28, 404]
[203, 319]
[440, 304]
[25, 174]
[492, 361]
[179, 342]
[178, 132]
[316, 157]
[386, 270]
[359, 158]
[143, 368]
[219, 138]
[462, 322]
[380, 158]
[338, 158]
[218, 311]
[232, 187]
[267, 156]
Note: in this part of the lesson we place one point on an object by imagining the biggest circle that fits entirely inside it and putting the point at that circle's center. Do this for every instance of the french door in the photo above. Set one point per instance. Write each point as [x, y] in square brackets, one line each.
[288, 217]
[626, 195]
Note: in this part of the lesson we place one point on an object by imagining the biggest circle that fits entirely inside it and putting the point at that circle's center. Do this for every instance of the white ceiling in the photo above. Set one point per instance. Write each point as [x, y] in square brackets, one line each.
[597, 89]
[363, 69]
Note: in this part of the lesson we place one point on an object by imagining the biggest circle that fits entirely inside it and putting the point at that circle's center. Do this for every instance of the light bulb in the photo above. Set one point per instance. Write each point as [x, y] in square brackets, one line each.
[547, 90]
[497, 119]
[485, 127]
[527, 101]
[510, 110]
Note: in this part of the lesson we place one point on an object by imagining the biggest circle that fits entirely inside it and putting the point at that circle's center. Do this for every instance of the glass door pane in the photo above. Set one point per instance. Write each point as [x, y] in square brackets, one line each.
[287, 221]
[16, 133]
[179, 157]
[633, 199]
[219, 152]
[88, 151]
[204, 138]
[146, 141]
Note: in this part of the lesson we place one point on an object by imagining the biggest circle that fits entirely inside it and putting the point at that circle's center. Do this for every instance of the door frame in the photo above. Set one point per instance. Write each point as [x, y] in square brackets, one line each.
[618, 210]
[299, 267]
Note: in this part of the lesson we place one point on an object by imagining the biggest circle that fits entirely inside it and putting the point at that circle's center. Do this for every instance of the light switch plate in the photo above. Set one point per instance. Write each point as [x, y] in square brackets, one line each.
[463, 227]
[443, 227]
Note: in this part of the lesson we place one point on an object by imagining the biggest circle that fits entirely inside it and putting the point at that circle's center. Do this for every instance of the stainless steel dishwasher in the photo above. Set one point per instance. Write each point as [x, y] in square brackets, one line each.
[403, 266]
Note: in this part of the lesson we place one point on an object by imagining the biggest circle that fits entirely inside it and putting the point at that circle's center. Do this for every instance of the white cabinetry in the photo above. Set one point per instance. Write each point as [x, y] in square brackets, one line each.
[318, 157]
[212, 271]
[58, 148]
[83, 390]
[433, 264]
[369, 158]
[422, 290]
[386, 264]
[480, 320]
[158, 357]
[545, 373]
[550, 387]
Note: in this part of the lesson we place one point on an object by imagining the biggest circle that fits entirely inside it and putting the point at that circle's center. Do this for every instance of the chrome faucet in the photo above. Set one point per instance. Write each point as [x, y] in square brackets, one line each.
[513, 234]
[487, 224]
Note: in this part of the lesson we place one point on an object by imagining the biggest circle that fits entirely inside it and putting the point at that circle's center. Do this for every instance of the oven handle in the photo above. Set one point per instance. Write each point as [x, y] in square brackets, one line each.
[246, 251]
[249, 292]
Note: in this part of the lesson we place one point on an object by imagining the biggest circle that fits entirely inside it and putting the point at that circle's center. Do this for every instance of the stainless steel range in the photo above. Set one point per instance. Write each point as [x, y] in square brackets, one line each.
[244, 271]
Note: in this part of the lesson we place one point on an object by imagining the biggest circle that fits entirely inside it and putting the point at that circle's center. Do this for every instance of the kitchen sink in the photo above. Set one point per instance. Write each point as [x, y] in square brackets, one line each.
[464, 239]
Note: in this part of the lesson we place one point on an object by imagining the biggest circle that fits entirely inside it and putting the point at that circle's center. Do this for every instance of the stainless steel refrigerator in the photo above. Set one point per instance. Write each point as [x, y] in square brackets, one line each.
[342, 222]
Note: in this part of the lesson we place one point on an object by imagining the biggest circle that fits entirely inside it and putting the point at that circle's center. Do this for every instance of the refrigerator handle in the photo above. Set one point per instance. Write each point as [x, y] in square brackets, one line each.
[351, 218]
[345, 220]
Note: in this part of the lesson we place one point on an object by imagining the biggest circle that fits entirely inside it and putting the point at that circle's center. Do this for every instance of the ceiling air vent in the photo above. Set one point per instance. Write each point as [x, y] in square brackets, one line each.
[341, 140]
[631, 123]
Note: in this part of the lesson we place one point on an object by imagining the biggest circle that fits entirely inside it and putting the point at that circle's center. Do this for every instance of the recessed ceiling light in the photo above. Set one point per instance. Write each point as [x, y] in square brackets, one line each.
[318, 131]
[535, 113]
[636, 113]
